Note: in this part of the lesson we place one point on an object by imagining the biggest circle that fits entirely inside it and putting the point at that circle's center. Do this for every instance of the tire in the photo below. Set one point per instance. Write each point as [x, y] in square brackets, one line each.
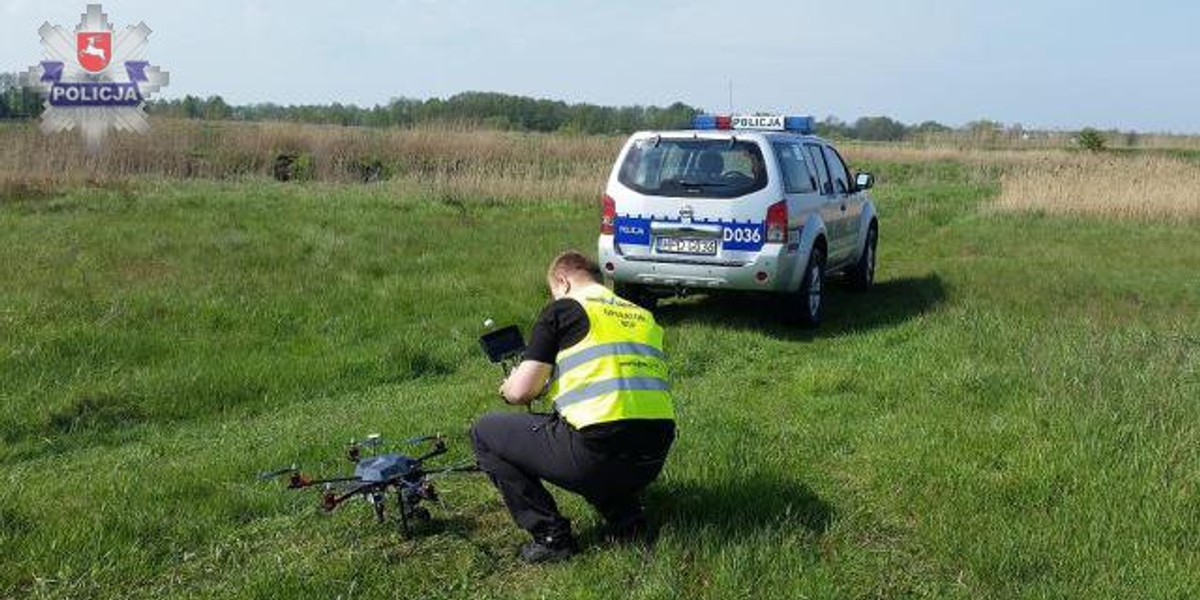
[809, 302]
[636, 294]
[862, 276]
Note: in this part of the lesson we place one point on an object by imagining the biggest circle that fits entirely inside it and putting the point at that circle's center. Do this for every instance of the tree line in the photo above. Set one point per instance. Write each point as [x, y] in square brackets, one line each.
[17, 102]
[488, 109]
[504, 111]
[498, 111]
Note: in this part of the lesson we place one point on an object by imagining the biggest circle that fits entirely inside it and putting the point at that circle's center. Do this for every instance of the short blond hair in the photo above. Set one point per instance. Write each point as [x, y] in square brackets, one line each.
[574, 262]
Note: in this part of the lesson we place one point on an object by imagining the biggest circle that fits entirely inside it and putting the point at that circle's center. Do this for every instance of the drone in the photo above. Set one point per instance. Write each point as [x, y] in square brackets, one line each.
[376, 475]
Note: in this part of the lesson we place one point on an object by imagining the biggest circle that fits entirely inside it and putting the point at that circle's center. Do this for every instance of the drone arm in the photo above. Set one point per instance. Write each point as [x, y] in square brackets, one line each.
[439, 448]
[292, 470]
[299, 481]
[331, 501]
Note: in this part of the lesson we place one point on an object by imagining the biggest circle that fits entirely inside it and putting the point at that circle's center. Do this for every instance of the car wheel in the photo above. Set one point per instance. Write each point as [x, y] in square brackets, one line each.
[636, 294]
[862, 276]
[811, 295]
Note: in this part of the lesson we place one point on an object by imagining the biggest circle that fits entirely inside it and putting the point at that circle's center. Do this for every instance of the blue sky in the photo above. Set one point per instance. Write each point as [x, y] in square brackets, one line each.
[1048, 63]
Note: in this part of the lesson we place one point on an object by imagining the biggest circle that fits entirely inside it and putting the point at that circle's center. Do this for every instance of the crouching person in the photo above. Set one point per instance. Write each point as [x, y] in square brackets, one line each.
[613, 421]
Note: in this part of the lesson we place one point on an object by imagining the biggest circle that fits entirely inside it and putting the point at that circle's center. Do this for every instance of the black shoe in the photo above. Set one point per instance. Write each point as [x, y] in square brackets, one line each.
[549, 549]
[633, 530]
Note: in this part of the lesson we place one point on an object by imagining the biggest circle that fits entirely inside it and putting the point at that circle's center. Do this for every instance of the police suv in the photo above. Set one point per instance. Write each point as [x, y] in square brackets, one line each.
[752, 203]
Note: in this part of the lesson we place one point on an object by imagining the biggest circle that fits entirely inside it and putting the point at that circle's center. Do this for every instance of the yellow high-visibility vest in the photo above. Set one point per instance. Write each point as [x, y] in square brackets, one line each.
[618, 371]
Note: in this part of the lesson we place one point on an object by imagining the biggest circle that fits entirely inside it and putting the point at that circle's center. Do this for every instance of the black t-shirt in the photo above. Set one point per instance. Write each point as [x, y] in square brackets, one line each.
[564, 323]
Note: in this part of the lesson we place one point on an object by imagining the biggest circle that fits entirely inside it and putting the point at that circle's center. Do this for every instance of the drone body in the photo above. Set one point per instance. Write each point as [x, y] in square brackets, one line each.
[385, 467]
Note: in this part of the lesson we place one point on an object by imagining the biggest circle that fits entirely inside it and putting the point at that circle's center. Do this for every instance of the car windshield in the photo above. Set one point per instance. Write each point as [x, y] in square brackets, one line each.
[694, 167]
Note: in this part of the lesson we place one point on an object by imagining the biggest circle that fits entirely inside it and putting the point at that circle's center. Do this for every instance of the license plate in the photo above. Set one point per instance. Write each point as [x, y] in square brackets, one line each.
[680, 245]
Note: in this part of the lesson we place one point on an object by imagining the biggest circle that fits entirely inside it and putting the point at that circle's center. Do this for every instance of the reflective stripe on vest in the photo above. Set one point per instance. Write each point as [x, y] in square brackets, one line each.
[631, 384]
[603, 350]
[618, 371]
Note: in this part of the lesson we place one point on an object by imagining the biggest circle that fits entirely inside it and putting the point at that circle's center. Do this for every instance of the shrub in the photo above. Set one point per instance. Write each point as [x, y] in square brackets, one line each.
[1091, 140]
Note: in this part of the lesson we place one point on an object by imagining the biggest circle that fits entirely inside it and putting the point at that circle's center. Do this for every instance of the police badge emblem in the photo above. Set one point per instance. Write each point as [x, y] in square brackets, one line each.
[97, 80]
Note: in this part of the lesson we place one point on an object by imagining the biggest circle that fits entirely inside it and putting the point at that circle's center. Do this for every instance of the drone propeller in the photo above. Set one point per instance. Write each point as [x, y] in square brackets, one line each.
[466, 466]
[355, 450]
[278, 472]
[421, 439]
[375, 440]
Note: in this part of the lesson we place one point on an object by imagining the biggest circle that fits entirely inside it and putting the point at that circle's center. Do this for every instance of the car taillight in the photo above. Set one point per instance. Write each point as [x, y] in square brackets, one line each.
[777, 223]
[608, 215]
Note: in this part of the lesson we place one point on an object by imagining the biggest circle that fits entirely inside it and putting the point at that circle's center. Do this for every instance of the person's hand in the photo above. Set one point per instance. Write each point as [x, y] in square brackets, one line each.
[526, 382]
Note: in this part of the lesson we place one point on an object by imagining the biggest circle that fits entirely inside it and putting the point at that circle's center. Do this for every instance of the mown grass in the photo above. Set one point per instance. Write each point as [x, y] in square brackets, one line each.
[1011, 413]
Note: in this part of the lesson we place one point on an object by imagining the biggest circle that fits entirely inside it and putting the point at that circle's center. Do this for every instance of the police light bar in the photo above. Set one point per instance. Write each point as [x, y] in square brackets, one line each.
[804, 125]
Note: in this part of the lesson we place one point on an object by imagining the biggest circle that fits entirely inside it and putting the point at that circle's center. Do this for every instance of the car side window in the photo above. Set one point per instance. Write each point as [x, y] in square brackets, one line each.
[818, 159]
[841, 180]
[841, 174]
[796, 177]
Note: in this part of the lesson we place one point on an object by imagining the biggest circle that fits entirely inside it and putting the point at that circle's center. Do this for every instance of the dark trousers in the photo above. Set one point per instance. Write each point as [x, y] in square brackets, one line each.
[520, 450]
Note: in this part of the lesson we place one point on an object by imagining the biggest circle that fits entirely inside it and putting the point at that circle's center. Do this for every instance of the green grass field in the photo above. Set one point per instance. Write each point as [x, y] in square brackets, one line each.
[1012, 412]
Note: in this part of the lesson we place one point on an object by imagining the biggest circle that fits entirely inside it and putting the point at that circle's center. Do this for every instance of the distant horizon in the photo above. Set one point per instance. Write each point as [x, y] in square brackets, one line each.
[1050, 66]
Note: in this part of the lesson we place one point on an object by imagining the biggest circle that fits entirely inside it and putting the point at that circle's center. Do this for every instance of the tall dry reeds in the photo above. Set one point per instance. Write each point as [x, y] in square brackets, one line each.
[459, 161]
[913, 153]
[1147, 185]
[463, 162]
[1116, 186]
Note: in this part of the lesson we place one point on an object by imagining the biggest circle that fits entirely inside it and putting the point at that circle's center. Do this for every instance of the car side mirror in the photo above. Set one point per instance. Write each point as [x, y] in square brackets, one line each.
[864, 181]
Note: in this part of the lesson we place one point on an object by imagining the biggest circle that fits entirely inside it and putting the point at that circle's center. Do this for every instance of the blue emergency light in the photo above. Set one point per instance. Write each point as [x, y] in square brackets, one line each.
[708, 122]
[803, 125]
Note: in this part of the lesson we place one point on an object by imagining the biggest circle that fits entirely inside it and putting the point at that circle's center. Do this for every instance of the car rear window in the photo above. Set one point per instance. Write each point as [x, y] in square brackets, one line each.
[694, 167]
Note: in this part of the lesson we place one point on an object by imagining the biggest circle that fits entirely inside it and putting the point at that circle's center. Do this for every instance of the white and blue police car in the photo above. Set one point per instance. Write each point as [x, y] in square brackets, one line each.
[745, 203]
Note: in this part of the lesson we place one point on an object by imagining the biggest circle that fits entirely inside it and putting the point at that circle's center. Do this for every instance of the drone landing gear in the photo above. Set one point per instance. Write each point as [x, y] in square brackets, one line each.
[377, 501]
[417, 513]
[407, 501]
